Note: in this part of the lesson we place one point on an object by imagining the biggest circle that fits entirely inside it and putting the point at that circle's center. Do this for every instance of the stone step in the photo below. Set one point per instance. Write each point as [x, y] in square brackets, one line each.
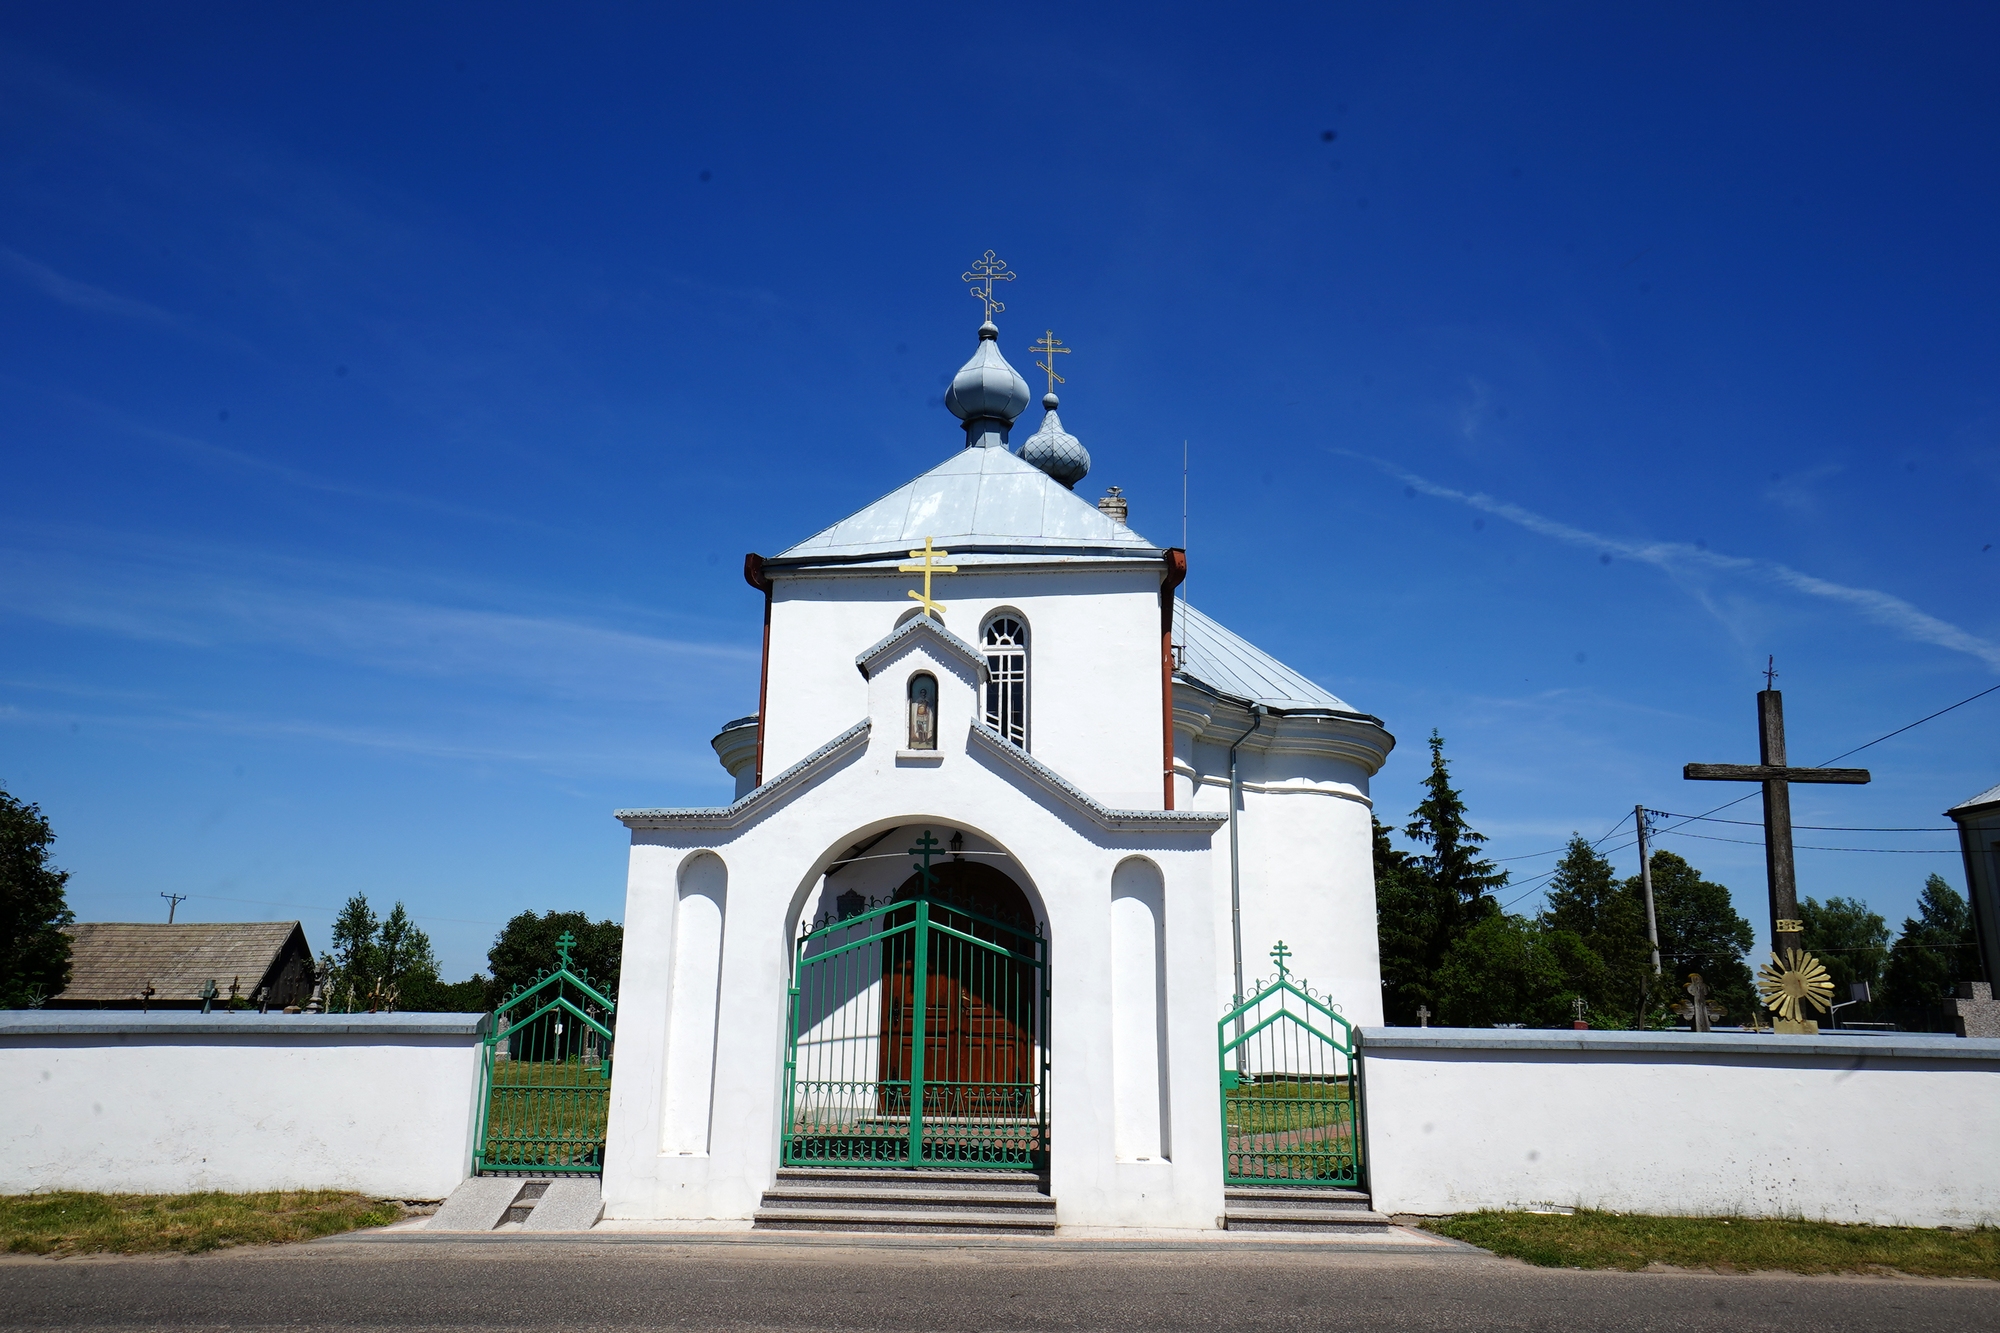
[1242, 1218]
[967, 1222]
[1270, 1196]
[1001, 1182]
[816, 1196]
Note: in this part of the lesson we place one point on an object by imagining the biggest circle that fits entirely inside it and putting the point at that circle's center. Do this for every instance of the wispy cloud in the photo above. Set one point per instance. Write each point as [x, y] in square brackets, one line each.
[183, 598]
[1678, 559]
[81, 295]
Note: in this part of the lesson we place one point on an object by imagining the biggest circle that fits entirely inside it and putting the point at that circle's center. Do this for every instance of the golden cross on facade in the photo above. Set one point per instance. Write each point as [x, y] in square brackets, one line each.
[986, 271]
[1051, 347]
[927, 566]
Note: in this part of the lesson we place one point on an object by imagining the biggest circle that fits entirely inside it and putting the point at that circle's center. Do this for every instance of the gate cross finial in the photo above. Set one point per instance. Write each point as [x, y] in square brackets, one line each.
[564, 943]
[926, 845]
[1279, 954]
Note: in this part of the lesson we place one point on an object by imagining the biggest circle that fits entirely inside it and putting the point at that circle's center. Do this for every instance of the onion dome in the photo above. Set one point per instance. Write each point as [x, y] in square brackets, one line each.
[987, 393]
[1054, 450]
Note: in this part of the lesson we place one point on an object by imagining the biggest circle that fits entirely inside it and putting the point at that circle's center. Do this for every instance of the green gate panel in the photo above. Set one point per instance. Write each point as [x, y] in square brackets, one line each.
[1291, 1088]
[546, 1073]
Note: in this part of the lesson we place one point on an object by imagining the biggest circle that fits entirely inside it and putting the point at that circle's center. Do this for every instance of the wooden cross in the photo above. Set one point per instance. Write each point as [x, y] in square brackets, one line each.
[926, 845]
[986, 271]
[1786, 927]
[927, 566]
[1423, 1015]
[1279, 953]
[564, 943]
[1051, 347]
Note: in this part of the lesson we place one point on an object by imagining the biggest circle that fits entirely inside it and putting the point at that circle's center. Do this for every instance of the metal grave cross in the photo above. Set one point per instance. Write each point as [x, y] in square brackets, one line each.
[1786, 927]
[928, 565]
[985, 271]
[1050, 346]
[564, 943]
[926, 845]
[1279, 953]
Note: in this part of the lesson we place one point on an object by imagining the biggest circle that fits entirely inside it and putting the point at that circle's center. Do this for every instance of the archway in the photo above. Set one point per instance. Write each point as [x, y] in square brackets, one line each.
[918, 1031]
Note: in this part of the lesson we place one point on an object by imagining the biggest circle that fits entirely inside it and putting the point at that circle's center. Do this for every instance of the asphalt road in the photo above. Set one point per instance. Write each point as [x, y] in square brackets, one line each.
[589, 1285]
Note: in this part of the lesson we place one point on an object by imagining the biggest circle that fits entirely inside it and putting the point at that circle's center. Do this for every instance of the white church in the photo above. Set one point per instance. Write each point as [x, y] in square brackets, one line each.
[1013, 826]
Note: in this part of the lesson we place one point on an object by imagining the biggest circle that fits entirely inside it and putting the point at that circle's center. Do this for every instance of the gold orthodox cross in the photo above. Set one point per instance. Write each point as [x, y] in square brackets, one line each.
[986, 271]
[928, 566]
[1051, 347]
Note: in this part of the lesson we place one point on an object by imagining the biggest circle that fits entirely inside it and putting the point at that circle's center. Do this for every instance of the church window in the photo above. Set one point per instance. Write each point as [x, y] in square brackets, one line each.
[1005, 641]
[923, 711]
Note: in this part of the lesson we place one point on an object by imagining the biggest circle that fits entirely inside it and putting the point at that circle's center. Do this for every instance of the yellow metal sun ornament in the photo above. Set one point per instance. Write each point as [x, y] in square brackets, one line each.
[1792, 982]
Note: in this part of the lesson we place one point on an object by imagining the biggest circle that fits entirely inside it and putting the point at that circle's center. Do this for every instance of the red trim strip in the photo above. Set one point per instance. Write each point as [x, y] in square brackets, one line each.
[1176, 560]
[754, 575]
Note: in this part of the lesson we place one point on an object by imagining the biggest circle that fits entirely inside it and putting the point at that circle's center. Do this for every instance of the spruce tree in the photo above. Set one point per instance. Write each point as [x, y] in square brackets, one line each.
[1586, 898]
[1931, 956]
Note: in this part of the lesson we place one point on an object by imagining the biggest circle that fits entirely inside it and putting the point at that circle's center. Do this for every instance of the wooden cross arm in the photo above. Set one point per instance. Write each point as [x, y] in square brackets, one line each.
[1770, 773]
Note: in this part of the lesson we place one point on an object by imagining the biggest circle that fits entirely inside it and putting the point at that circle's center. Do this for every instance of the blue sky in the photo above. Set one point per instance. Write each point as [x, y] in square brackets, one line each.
[388, 396]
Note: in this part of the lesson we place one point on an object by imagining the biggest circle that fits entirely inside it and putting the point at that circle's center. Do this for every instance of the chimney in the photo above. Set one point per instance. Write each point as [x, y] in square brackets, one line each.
[1112, 506]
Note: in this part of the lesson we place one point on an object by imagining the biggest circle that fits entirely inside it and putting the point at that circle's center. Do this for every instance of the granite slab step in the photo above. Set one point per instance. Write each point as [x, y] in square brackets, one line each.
[826, 1196]
[981, 1222]
[1246, 1218]
[1005, 1182]
[1265, 1196]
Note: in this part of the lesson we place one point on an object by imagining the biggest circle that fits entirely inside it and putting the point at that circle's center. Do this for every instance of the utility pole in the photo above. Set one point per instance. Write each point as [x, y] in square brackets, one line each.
[173, 900]
[1646, 882]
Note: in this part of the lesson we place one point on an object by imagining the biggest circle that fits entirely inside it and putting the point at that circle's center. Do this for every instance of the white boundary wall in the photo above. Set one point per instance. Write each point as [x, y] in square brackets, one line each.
[1900, 1130]
[171, 1103]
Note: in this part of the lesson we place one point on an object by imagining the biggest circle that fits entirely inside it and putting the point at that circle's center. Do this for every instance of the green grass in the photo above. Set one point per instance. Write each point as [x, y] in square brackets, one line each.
[546, 1113]
[64, 1223]
[1620, 1240]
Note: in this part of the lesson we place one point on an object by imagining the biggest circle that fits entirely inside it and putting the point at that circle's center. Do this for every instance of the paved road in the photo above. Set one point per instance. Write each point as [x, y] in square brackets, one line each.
[591, 1285]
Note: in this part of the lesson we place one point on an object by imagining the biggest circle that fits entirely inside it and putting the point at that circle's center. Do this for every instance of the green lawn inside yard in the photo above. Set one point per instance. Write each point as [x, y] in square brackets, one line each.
[65, 1223]
[1589, 1239]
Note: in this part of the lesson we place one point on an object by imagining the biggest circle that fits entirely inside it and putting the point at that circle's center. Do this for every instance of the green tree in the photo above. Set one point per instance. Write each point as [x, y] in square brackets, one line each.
[1851, 941]
[34, 951]
[1931, 956]
[389, 962]
[1586, 899]
[1510, 969]
[1464, 880]
[1700, 932]
[1405, 924]
[526, 947]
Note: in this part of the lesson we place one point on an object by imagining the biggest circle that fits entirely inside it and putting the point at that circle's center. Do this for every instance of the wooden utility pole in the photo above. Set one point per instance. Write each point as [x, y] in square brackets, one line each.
[1786, 927]
[1646, 882]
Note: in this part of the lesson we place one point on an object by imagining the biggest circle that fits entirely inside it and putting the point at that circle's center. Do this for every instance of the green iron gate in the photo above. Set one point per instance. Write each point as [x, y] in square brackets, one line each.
[1291, 1088]
[918, 1029]
[547, 1075]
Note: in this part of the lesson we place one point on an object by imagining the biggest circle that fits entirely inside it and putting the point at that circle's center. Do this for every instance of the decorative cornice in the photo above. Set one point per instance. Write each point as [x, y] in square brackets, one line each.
[1208, 716]
[752, 802]
[1191, 821]
[869, 658]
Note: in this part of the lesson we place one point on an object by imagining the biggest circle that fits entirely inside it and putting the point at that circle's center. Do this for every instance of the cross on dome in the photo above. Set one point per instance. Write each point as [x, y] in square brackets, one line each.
[1050, 346]
[985, 271]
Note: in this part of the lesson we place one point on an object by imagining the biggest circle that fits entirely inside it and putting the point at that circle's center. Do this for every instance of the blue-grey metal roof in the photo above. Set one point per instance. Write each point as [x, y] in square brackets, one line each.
[1991, 796]
[1227, 663]
[976, 500]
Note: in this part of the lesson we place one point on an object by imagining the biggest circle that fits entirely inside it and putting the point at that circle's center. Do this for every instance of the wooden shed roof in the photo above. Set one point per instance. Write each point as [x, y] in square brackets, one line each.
[112, 961]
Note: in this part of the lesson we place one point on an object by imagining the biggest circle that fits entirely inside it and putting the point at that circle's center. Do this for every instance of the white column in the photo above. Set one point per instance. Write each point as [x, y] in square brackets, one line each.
[697, 984]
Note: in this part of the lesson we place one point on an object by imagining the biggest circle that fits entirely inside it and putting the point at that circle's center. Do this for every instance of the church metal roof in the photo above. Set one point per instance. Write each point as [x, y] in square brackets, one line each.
[1226, 663]
[976, 501]
[1991, 796]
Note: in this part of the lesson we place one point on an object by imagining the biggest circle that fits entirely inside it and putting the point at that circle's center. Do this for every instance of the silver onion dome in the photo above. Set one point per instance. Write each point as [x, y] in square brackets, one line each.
[1054, 450]
[987, 393]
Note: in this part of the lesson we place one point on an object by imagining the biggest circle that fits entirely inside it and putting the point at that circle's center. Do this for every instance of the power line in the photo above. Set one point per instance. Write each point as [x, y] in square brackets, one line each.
[1918, 723]
[1818, 828]
[1804, 847]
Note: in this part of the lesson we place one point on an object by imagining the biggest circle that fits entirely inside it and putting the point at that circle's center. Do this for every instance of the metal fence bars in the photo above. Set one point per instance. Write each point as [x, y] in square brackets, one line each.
[1291, 1088]
[547, 1071]
[918, 1037]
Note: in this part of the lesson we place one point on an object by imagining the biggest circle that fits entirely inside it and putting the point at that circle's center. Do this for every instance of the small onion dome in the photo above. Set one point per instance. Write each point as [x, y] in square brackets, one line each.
[986, 387]
[1056, 451]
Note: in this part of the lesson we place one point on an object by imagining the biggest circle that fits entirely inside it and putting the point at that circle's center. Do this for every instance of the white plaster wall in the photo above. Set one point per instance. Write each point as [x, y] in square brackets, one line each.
[1094, 709]
[1307, 862]
[775, 864]
[171, 1113]
[1141, 1102]
[1895, 1132]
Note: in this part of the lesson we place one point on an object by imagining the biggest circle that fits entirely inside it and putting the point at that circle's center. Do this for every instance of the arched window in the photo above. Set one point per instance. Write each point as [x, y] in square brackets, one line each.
[923, 711]
[1006, 643]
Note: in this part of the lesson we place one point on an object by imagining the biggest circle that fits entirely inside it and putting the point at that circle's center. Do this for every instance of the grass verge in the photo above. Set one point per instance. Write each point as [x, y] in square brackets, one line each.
[64, 1223]
[1589, 1239]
